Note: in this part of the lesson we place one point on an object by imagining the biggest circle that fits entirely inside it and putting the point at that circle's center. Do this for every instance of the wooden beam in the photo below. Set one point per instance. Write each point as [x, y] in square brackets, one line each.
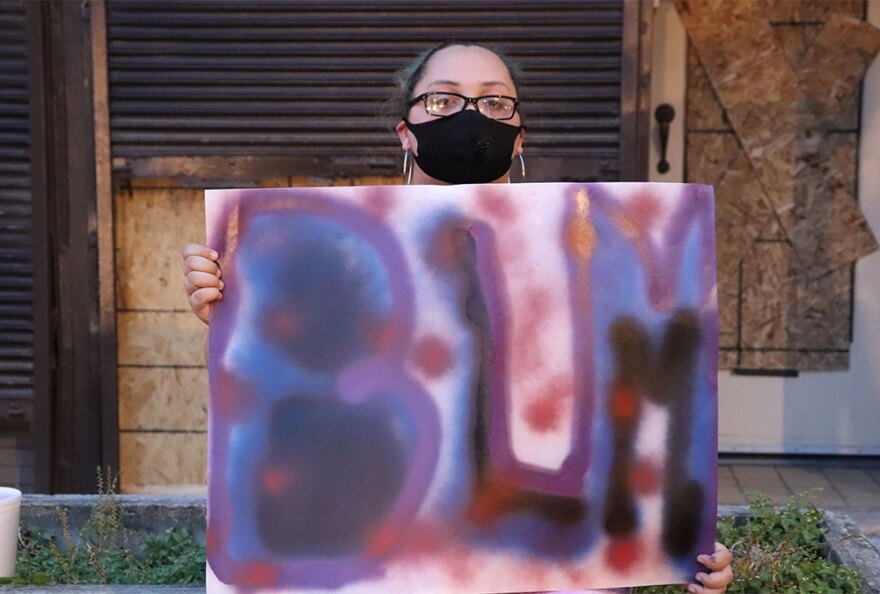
[44, 313]
[635, 90]
[73, 342]
[106, 243]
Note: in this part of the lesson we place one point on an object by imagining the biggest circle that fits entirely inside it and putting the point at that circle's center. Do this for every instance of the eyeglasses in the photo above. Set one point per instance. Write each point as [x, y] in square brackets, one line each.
[442, 104]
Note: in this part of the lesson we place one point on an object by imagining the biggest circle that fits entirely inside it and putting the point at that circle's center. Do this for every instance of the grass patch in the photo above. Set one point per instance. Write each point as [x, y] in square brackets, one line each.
[779, 551]
[102, 552]
[775, 550]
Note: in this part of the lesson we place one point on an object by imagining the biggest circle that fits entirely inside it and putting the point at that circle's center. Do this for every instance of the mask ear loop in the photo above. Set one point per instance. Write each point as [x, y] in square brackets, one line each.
[407, 168]
[522, 165]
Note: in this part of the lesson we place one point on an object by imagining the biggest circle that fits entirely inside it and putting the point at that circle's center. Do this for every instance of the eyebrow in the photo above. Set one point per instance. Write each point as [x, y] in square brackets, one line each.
[488, 83]
[450, 83]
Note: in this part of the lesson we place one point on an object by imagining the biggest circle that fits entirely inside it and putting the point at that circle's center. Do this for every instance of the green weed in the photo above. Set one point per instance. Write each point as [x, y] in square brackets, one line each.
[779, 551]
[100, 554]
[775, 551]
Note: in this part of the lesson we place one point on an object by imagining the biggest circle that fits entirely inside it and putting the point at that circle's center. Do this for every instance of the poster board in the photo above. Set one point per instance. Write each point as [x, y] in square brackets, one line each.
[493, 388]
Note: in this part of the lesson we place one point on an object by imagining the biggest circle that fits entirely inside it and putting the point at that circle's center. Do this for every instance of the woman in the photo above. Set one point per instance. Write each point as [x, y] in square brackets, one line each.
[461, 124]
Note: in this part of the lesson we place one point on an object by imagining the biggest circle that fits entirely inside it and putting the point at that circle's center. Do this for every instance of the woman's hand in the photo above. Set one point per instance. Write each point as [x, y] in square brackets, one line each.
[721, 576]
[201, 278]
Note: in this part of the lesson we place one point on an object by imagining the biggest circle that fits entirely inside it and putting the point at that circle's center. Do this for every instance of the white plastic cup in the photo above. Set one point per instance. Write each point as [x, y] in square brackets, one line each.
[10, 507]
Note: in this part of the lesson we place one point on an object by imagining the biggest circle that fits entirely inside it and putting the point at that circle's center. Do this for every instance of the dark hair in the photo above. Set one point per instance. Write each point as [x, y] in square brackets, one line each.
[409, 76]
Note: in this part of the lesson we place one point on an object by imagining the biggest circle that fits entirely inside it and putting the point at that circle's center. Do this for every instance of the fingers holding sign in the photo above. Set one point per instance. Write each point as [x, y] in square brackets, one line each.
[201, 278]
[721, 576]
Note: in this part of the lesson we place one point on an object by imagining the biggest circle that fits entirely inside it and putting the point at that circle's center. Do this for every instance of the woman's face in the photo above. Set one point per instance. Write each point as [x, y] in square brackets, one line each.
[468, 70]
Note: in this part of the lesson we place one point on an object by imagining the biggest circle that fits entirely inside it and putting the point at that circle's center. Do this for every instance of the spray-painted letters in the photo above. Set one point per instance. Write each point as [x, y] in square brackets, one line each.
[491, 388]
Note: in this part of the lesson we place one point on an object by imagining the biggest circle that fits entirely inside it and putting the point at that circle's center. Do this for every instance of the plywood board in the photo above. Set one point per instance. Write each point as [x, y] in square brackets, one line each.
[811, 11]
[164, 398]
[710, 155]
[151, 225]
[151, 338]
[795, 40]
[778, 114]
[784, 75]
[703, 111]
[162, 458]
[836, 62]
[767, 297]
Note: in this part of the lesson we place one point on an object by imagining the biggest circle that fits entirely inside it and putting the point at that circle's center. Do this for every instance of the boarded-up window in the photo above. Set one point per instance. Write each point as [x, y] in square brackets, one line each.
[16, 268]
[16, 261]
[306, 80]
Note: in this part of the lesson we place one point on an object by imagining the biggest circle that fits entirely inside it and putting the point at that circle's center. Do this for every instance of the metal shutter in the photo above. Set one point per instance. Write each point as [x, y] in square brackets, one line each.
[16, 262]
[295, 77]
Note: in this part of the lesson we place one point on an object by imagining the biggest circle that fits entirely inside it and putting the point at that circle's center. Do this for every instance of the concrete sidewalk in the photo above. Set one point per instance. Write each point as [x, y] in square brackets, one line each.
[849, 485]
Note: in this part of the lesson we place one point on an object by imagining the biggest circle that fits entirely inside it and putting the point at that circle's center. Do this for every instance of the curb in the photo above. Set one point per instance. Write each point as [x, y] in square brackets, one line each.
[846, 544]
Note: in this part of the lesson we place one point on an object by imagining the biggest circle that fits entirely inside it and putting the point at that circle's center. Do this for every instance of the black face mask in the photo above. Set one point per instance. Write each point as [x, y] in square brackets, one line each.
[465, 148]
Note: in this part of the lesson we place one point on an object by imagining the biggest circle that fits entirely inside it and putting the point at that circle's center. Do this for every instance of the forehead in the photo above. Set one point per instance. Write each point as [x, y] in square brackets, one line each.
[466, 65]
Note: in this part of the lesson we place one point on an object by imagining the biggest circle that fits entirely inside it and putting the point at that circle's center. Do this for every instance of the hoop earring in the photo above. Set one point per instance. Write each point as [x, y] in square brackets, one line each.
[522, 164]
[407, 168]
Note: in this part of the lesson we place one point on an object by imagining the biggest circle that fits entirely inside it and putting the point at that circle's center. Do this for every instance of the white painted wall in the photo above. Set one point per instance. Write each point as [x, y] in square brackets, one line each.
[829, 412]
[668, 80]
